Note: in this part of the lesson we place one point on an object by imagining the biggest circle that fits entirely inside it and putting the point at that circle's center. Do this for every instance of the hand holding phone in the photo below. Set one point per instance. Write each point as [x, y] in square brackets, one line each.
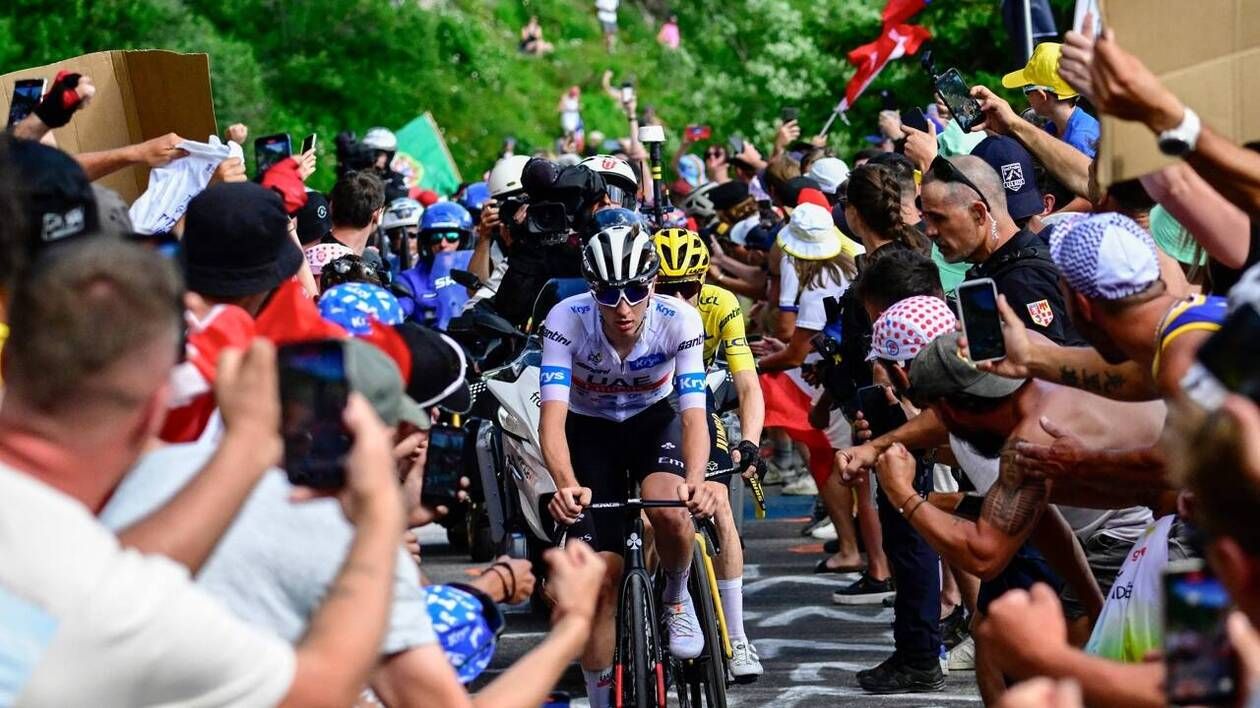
[314, 392]
[308, 143]
[444, 465]
[270, 149]
[27, 94]
[882, 415]
[957, 95]
[789, 114]
[1199, 660]
[978, 312]
[698, 132]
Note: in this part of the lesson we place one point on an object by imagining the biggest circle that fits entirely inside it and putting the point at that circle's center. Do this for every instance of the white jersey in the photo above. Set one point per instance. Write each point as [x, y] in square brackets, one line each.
[580, 367]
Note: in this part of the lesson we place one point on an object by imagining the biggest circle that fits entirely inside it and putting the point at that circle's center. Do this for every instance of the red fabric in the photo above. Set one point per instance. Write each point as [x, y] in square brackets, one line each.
[285, 179]
[193, 396]
[787, 407]
[895, 42]
[292, 316]
[809, 195]
[426, 197]
[896, 12]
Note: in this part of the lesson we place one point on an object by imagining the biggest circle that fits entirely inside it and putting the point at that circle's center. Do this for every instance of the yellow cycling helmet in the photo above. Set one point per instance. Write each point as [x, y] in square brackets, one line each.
[683, 255]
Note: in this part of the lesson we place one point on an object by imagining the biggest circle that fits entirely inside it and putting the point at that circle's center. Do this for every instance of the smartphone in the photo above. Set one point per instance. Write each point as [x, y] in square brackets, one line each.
[789, 114]
[754, 338]
[736, 145]
[27, 93]
[1200, 663]
[957, 95]
[699, 132]
[270, 149]
[308, 143]
[627, 93]
[313, 395]
[1090, 8]
[444, 465]
[882, 416]
[977, 309]
[915, 118]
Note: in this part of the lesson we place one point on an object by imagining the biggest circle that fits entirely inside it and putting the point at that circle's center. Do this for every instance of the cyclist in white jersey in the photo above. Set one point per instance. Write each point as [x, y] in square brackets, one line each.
[611, 359]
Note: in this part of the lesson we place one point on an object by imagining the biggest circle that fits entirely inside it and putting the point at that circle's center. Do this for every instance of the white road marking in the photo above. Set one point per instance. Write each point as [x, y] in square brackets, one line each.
[830, 580]
[771, 648]
[787, 617]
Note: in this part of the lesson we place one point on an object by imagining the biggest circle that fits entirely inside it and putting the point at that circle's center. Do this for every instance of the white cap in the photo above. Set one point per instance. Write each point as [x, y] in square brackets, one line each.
[829, 173]
[810, 234]
[739, 232]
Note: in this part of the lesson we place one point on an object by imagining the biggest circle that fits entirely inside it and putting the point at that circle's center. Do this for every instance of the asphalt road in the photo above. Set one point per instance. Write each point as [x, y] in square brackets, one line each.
[809, 647]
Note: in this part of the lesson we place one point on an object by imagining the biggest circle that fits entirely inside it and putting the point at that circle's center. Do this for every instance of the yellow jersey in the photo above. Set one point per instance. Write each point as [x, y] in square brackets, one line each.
[724, 327]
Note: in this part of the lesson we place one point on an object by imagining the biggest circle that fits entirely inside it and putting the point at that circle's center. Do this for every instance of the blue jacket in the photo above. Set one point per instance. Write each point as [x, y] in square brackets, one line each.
[436, 299]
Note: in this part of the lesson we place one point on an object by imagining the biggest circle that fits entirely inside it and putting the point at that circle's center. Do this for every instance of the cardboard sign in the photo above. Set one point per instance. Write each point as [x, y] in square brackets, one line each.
[1207, 52]
[140, 95]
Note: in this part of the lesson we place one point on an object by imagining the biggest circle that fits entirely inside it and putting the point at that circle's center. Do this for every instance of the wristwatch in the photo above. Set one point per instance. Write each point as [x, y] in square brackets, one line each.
[1182, 139]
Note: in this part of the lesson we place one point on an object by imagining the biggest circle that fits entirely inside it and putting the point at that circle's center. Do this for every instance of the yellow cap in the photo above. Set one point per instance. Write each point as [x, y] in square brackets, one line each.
[1042, 70]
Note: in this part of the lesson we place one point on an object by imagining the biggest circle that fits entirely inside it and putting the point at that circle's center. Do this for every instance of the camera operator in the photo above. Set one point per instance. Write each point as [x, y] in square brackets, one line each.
[543, 227]
[375, 152]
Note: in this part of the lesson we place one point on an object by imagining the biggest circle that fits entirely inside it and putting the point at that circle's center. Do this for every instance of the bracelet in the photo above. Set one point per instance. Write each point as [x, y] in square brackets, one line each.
[901, 508]
[916, 508]
[510, 574]
[509, 590]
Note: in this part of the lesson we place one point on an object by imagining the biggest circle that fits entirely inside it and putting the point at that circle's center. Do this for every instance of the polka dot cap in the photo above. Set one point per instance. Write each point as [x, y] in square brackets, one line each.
[908, 326]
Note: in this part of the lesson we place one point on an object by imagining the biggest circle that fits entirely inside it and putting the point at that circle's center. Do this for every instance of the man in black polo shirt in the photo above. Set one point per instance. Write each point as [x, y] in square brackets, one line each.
[964, 206]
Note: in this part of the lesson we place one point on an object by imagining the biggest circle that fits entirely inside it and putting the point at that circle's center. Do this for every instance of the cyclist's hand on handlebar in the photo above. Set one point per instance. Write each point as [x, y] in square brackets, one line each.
[568, 502]
[701, 501]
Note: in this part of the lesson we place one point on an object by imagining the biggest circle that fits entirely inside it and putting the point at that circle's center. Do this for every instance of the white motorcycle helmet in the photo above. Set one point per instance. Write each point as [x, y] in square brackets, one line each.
[382, 139]
[505, 178]
[401, 213]
[620, 180]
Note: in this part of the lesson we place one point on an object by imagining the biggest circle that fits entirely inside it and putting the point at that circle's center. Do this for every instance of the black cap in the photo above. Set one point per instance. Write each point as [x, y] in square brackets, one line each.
[1014, 166]
[728, 194]
[236, 241]
[537, 177]
[56, 195]
[438, 368]
[792, 189]
[314, 220]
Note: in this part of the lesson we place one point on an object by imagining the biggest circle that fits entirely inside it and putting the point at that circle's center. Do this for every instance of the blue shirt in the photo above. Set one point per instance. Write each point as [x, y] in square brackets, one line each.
[1082, 132]
[436, 299]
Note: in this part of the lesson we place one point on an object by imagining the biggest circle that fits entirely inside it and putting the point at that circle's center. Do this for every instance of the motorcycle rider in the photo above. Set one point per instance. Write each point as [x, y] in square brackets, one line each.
[384, 145]
[620, 183]
[435, 299]
[401, 224]
[684, 263]
[611, 358]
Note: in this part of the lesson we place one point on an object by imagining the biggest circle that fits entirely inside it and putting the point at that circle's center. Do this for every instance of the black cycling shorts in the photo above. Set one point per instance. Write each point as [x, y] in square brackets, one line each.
[607, 454]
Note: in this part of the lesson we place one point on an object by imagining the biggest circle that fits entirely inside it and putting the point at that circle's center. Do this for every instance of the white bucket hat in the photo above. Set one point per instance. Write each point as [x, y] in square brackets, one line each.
[829, 173]
[810, 235]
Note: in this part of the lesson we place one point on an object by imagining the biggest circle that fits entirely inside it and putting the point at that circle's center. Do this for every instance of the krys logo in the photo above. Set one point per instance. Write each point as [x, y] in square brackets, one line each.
[646, 362]
[553, 375]
[690, 383]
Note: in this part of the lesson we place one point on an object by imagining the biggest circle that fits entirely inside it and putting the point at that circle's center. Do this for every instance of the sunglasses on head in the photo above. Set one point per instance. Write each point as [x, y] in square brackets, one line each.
[945, 171]
[448, 236]
[634, 293]
[686, 289]
[1034, 88]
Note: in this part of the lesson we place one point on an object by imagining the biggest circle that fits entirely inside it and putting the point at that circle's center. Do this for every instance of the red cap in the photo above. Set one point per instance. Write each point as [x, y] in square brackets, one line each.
[809, 195]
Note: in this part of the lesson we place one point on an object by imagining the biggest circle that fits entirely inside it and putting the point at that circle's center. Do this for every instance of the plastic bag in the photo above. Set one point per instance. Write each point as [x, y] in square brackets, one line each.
[1132, 619]
[171, 187]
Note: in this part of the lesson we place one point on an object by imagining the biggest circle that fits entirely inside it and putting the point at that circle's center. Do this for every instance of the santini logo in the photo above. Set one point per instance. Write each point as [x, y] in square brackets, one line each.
[695, 342]
[554, 336]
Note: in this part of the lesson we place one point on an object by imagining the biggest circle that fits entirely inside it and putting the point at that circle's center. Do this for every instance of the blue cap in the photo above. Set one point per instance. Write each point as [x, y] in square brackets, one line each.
[466, 626]
[355, 305]
[1014, 167]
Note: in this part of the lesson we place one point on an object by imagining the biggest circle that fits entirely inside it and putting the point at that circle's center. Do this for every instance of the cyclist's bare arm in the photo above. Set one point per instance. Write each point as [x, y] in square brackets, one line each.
[555, 444]
[752, 407]
[695, 442]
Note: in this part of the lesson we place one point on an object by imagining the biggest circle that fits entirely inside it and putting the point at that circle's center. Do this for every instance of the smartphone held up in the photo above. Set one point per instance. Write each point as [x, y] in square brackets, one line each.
[27, 93]
[981, 321]
[313, 395]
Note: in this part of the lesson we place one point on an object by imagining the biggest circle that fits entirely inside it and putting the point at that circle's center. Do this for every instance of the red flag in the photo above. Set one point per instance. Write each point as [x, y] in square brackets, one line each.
[291, 316]
[787, 407]
[192, 397]
[897, 12]
[895, 42]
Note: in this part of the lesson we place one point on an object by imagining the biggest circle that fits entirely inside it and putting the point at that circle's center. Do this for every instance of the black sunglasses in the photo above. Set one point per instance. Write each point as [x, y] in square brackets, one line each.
[686, 289]
[945, 171]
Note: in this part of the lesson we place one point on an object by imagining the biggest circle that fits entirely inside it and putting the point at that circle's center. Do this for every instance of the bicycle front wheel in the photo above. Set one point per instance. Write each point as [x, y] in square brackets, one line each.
[638, 676]
[707, 675]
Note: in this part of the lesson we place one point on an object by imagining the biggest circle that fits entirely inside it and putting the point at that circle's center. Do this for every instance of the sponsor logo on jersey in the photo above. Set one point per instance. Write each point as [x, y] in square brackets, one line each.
[580, 309]
[737, 342]
[667, 311]
[554, 336]
[669, 461]
[1040, 312]
[646, 362]
[443, 282]
[690, 383]
[708, 300]
[553, 375]
[595, 357]
[616, 384]
[595, 369]
[667, 445]
[728, 317]
[693, 342]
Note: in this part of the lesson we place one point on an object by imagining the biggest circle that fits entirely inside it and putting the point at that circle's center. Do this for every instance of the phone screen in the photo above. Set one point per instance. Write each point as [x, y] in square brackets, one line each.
[27, 94]
[1197, 652]
[270, 149]
[879, 413]
[1231, 354]
[308, 143]
[313, 394]
[627, 93]
[736, 145]
[443, 465]
[977, 301]
[789, 114]
[957, 95]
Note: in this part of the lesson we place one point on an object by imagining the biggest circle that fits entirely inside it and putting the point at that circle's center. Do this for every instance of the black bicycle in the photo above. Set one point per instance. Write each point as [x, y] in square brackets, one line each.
[641, 652]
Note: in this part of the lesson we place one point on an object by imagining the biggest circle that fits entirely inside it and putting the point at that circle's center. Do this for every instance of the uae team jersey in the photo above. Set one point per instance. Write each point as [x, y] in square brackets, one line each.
[580, 367]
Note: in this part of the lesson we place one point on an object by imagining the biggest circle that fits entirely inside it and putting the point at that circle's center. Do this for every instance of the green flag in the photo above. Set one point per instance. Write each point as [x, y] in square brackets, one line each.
[423, 159]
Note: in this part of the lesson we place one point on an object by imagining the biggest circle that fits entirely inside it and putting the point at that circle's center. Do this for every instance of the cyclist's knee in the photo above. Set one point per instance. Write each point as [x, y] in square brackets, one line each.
[671, 522]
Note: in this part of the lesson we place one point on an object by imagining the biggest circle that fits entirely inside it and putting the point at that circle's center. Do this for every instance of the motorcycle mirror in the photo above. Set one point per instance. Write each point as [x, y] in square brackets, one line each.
[466, 279]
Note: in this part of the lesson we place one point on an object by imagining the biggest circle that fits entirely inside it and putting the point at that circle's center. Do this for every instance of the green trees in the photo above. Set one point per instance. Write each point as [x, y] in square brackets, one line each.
[328, 65]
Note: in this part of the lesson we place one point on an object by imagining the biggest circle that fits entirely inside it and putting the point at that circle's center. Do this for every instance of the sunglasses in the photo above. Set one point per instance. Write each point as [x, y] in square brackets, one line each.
[944, 170]
[1034, 88]
[448, 236]
[684, 290]
[714, 153]
[633, 294]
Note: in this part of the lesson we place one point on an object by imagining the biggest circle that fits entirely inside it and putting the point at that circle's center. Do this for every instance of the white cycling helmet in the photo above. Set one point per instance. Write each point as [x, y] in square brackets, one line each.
[620, 255]
[620, 181]
[381, 139]
[505, 178]
[699, 205]
[402, 212]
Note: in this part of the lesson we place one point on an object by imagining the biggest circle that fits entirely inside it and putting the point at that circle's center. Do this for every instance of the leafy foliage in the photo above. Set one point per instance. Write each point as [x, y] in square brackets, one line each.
[329, 65]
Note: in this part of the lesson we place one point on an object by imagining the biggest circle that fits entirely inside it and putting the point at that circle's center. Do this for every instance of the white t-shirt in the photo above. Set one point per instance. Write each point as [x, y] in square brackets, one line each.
[85, 623]
[277, 559]
[808, 305]
[1125, 524]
